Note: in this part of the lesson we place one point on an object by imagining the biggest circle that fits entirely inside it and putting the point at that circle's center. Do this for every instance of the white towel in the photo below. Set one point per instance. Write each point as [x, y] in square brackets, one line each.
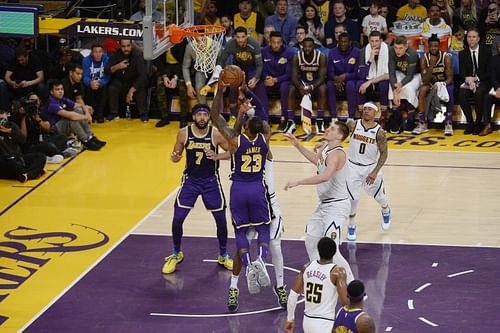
[409, 91]
[381, 67]
[442, 92]
[306, 114]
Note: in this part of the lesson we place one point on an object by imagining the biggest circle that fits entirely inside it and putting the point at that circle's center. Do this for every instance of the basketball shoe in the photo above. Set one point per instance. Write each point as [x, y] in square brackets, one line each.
[320, 128]
[281, 294]
[225, 261]
[283, 125]
[232, 300]
[262, 275]
[171, 262]
[386, 220]
[420, 129]
[448, 129]
[290, 127]
[252, 279]
[351, 233]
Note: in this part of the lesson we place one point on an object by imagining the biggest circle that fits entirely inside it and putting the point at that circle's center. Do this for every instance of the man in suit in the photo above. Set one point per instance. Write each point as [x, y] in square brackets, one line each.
[491, 99]
[474, 72]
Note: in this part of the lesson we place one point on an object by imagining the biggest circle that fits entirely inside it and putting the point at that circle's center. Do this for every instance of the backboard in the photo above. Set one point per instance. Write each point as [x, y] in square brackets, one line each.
[160, 14]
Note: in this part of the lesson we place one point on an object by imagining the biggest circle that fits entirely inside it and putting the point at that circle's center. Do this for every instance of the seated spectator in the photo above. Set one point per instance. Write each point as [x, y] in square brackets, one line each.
[96, 80]
[434, 24]
[227, 23]
[61, 60]
[493, 97]
[342, 75]
[208, 15]
[445, 10]
[311, 20]
[267, 34]
[250, 20]
[13, 163]
[277, 59]
[339, 17]
[128, 79]
[295, 8]
[24, 76]
[436, 69]
[300, 34]
[373, 73]
[374, 21]
[412, 11]
[73, 87]
[458, 39]
[475, 75]
[388, 12]
[466, 15]
[283, 22]
[491, 27]
[36, 129]
[69, 117]
[170, 81]
[405, 82]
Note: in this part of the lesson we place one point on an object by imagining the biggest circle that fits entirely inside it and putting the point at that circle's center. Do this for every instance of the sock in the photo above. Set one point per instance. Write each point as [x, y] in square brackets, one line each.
[277, 260]
[421, 117]
[386, 209]
[291, 115]
[321, 113]
[263, 250]
[449, 116]
[383, 114]
[234, 281]
[180, 215]
[221, 222]
[245, 259]
[352, 220]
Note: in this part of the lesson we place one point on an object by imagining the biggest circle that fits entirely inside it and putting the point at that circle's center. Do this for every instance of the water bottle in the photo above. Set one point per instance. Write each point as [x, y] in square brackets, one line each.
[128, 115]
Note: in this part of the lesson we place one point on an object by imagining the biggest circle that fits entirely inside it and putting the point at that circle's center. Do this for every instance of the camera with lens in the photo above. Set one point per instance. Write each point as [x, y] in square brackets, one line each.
[24, 106]
[4, 122]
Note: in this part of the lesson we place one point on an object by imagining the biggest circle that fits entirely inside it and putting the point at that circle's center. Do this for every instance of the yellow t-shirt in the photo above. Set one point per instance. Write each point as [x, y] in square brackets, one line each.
[322, 10]
[197, 5]
[456, 45]
[250, 24]
[405, 13]
[217, 22]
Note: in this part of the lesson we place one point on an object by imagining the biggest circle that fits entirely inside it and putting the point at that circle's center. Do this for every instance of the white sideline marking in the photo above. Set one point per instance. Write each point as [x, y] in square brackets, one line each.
[410, 304]
[435, 264]
[461, 273]
[104, 255]
[388, 329]
[422, 287]
[428, 322]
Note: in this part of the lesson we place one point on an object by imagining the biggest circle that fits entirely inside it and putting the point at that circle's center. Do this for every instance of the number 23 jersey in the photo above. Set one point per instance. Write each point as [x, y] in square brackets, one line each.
[249, 158]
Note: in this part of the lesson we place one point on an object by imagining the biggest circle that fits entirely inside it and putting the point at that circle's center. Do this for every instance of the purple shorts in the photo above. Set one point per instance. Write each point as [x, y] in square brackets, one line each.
[249, 204]
[210, 190]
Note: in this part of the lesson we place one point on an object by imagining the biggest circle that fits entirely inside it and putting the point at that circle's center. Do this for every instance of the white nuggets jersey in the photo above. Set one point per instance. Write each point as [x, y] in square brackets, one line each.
[363, 149]
[335, 188]
[320, 293]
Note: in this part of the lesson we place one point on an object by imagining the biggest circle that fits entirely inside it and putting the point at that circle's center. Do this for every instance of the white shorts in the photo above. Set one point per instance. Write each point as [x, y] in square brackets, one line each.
[328, 219]
[317, 325]
[356, 180]
[409, 91]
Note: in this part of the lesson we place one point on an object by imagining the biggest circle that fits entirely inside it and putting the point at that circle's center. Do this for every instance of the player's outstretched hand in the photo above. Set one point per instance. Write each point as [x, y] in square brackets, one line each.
[291, 184]
[292, 139]
[176, 156]
[289, 326]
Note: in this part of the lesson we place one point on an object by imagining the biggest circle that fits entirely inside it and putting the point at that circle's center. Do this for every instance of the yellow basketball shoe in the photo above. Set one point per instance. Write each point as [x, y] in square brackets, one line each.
[225, 261]
[171, 262]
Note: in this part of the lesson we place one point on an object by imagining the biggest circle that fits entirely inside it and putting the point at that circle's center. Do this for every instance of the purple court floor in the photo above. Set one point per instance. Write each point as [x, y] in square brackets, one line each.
[410, 289]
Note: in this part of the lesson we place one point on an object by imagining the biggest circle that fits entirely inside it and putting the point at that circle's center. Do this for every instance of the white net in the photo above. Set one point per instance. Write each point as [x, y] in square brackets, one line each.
[206, 48]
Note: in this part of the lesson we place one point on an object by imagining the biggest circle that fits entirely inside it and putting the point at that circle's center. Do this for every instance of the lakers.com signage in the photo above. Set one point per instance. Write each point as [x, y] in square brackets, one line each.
[105, 30]
[26, 251]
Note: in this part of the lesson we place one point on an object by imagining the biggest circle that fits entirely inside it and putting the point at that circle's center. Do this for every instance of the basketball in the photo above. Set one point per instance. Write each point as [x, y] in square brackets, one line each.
[232, 75]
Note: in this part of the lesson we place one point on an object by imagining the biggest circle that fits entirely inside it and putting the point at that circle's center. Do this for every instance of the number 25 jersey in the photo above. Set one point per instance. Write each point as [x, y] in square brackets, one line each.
[320, 293]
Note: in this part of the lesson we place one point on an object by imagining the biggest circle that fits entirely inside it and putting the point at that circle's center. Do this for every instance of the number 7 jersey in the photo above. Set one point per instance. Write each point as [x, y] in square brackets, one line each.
[320, 293]
[363, 148]
[197, 164]
[249, 158]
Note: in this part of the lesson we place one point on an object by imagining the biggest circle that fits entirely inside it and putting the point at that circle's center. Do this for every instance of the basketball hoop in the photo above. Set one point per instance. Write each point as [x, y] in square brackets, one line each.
[206, 41]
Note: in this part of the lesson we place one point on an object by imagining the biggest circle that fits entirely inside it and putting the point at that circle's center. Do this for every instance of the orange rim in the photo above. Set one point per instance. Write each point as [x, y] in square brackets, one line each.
[177, 34]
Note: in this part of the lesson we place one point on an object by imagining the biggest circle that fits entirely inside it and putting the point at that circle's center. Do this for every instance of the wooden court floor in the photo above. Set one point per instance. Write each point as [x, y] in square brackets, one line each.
[442, 191]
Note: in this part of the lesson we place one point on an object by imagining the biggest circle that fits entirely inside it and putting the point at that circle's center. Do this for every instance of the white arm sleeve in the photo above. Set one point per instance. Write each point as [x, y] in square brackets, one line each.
[291, 304]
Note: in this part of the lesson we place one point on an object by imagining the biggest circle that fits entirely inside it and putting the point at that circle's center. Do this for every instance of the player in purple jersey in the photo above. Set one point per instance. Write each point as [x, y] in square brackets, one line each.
[351, 318]
[249, 205]
[201, 177]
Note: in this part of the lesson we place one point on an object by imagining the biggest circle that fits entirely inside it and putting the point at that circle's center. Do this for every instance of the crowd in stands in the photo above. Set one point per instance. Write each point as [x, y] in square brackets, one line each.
[414, 58]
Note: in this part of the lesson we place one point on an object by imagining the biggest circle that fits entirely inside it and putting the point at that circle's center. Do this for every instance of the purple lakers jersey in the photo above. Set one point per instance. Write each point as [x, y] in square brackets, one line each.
[249, 159]
[345, 322]
[197, 164]
[309, 70]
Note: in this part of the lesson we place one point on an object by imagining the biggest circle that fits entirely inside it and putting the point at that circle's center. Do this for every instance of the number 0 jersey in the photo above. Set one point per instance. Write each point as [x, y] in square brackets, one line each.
[363, 148]
[320, 293]
[197, 164]
[249, 158]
